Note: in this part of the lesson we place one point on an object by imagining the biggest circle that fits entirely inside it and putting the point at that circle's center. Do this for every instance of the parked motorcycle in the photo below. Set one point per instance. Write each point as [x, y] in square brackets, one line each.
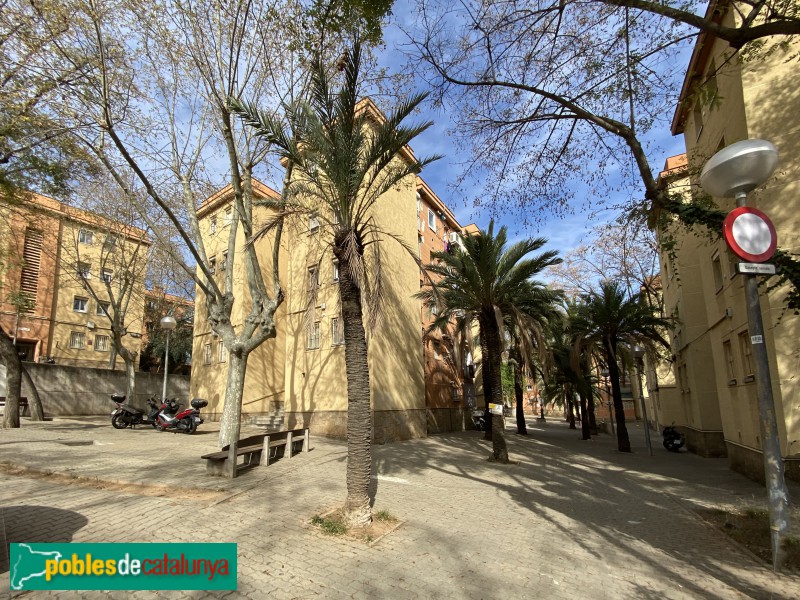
[129, 416]
[673, 439]
[172, 418]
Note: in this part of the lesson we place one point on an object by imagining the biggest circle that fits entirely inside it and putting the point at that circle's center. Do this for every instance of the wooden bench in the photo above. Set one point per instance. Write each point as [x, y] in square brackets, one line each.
[256, 450]
[23, 405]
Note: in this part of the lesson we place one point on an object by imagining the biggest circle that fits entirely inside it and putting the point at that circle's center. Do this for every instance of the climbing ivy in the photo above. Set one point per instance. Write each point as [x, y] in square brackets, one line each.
[703, 213]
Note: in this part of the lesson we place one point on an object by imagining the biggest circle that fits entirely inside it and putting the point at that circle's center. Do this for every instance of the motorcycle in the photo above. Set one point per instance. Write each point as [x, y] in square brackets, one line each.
[673, 439]
[129, 416]
[172, 418]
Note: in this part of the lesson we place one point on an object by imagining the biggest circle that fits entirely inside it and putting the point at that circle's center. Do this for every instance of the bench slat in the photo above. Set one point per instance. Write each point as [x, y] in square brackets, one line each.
[254, 448]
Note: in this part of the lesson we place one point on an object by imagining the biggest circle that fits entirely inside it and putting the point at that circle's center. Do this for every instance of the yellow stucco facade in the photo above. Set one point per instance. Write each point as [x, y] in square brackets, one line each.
[715, 396]
[301, 372]
[54, 252]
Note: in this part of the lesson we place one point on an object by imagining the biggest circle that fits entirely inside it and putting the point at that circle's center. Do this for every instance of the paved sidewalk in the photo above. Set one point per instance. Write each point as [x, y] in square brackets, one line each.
[572, 519]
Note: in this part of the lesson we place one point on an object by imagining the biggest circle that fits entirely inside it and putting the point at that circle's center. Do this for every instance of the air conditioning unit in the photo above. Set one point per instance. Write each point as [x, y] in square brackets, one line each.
[90, 325]
[453, 237]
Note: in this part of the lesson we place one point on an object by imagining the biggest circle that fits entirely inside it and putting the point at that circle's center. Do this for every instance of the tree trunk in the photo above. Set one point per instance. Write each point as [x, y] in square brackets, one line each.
[10, 358]
[34, 400]
[234, 390]
[522, 428]
[489, 330]
[357, 509]
[570, 412]
[487, 390]
[623, 442]
[586, 434]
[592, 419]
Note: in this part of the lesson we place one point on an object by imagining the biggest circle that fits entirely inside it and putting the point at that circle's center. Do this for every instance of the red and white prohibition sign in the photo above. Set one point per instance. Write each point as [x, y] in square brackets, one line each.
[750, 234]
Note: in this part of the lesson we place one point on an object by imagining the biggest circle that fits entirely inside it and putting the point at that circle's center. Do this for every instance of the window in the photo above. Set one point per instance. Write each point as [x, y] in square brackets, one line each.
[228, 215]
[336, 270]
[746, 348]
[437, 350]
[313, 336]
[212, 264]
[698, 118]
[337, 331]
[431, 220]
[313, 280]
[31, 257]
[213, 225]
[151, 304]
[224, 261]
[101, 343]
[103, 309]
[77, 339]
[222, 352]
[716, 266]
[207, 354]
[150, 326]
[85, 236]
[84, 270]
[313, 223]
[727, 352]
[106, 275]
[111, 242]
[79, 304]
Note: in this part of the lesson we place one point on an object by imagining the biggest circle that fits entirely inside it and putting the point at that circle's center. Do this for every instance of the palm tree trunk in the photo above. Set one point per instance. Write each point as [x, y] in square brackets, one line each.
[489, 330]
[623, 442]
[592, 419]
[570, 411]
[487, 389]
[522, 429]
[586, 434]
[357, 509]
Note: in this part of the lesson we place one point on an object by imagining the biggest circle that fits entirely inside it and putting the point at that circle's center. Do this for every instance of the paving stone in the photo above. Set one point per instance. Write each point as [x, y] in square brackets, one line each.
[571, 520]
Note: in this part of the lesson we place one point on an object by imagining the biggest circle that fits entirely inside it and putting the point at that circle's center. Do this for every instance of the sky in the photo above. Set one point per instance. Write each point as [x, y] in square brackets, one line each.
[563, 232]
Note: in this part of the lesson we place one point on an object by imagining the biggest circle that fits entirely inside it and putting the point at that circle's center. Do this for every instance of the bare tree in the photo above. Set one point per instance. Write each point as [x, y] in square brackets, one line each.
[554, 94]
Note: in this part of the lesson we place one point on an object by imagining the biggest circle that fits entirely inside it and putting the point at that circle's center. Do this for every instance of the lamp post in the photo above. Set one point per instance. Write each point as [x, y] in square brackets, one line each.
[606, 374]
[735, 171]
[638, 356]
[167, 324]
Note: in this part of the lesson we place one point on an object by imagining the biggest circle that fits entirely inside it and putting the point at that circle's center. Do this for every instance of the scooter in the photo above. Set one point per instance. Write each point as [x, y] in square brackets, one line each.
[172, 418]
[129, 416]
[673, 439]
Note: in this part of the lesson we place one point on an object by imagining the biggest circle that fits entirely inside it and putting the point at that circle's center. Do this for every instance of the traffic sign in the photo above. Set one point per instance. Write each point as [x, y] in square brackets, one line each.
[750, 234]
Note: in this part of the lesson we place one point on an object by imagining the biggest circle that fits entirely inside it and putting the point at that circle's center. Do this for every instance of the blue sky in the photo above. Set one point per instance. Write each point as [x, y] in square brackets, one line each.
[563, 232]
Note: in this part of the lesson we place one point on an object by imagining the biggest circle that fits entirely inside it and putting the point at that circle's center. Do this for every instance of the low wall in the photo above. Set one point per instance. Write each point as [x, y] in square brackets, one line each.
[67, 391]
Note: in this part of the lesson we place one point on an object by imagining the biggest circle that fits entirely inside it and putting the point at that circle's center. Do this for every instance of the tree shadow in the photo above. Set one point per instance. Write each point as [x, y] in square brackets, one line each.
[36, 525]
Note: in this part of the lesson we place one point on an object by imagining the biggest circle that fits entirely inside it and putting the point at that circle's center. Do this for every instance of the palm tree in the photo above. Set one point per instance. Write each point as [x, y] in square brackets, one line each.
[526, 326]
[344, 161]
[608, 318]
[482, 281]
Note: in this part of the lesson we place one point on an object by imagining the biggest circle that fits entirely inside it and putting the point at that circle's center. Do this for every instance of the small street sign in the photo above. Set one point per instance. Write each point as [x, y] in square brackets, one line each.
[756, 268]
[756, 339]
[496, 409]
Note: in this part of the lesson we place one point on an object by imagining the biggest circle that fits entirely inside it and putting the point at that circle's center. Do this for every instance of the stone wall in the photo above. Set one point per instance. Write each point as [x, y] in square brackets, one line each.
[750, 463]
[708, 444]
[67, 391]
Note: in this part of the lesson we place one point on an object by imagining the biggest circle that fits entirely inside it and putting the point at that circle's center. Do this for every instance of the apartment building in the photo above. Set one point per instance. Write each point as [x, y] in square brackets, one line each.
[714, 397]
[60, 267]
[301, 372]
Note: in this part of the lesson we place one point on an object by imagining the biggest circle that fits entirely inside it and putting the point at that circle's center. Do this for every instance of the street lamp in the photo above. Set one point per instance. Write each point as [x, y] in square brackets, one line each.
[733, 172]
[606, 375]
[167, 324]
[638, 355]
